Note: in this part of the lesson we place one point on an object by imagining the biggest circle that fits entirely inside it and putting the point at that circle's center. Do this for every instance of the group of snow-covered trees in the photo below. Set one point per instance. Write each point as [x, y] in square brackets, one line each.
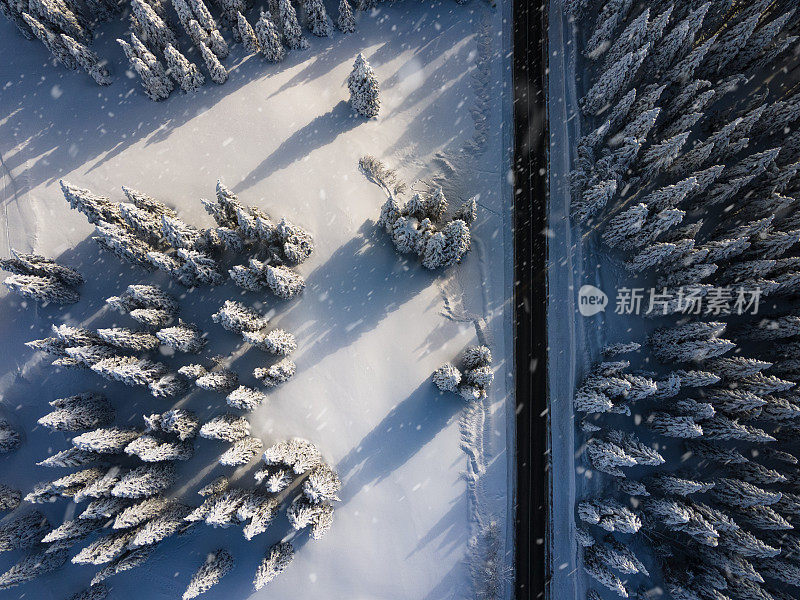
[41, 279]
[471, 378]
[424, 225]
[145, 232]
[128, 509]
[687, 171]
[66, 27]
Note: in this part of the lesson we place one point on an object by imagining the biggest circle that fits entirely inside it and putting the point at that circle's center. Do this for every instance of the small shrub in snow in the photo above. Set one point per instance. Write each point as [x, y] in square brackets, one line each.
[476, 378]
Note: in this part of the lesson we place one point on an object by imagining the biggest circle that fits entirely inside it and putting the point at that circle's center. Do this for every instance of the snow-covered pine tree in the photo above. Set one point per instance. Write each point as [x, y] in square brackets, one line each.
[283, 282]
[23, 531]
[183, 337]
[245, 398]
[346, 22]
[128, 339]
[36, 264]
[87, 60]
[247, 35]
[216, 566]
[156, 86]
[96, 591]
[276, 374]
[275, 562]
[10, 498]
[82, 411]
[149, 26]
[218, 381]
[227, 427]
[144, 481]
[168, 523]
[33, 565]
[241, 452]
[217, 72]
[41, 289]
[292, 34]
[9, 437]
[51, 41]
[109, 440]
[235, 316]
[613, 81]
[317, 19]
[269, 38]
[184, 72]
[277, 341]
[364, 88]
[141, 512]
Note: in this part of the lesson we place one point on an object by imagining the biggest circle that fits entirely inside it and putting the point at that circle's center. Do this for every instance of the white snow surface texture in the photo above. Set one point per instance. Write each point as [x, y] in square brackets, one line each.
[371, 325]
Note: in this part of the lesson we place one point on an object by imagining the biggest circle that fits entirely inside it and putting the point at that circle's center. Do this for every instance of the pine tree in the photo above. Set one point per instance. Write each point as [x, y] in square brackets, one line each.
[276, 374]
[147, 480]
[59, 15]
[218, 381]
[151, 449]
[736, 493]
[151, 27]
[594, 200]
[228, 427]
[317, 22]
[141, 512]
[51, 41]
[269, 38]
[247, 35]
[275, 562]
[277, 341]
[82, 411]
[87, 60]
[292, 35]
[33, 565]
[23, 531]
[322, 484]
[613, 81]
[216, 566]
[96, 591]
[364, 88]
[170, 522]
[104, 508]
[613, 13]
[283, 282]
[241, 452]
[245, 398]
[35, 264]
[217, 72]
[238, 318]
[184, 72]
[183, 338]
[346, 23]
[42, 289]
[127, 339]
[10, 498]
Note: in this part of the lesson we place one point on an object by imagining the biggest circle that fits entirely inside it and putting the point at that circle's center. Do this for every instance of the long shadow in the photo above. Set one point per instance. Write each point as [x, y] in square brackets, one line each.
[403, 432]
[341, 295]
[319, 132]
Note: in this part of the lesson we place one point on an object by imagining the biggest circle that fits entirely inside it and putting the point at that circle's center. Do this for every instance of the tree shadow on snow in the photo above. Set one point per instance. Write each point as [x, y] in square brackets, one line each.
[345, 298]
[403, 432]
[319, 132]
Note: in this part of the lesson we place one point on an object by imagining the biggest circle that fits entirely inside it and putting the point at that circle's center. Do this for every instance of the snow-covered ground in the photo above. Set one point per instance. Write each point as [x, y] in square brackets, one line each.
[371, 326]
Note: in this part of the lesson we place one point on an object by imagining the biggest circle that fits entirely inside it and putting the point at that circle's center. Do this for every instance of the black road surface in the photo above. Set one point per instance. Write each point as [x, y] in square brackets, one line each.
[530, 297]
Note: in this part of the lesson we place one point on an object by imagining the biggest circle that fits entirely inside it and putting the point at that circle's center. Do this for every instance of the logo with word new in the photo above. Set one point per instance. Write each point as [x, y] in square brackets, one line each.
[591, 300]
